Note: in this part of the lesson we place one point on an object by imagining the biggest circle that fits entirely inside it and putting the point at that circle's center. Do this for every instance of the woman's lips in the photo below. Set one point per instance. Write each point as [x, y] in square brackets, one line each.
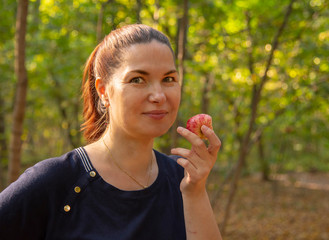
[157, 114]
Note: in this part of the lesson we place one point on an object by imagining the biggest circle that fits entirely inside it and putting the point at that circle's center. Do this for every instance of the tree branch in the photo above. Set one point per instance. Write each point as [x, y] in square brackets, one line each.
[275, 44]
[254, 107]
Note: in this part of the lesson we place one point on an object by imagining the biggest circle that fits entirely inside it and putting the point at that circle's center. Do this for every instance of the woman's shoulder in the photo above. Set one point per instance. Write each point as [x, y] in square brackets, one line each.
[55, 168]
[171, 159]
[26, 203]
[47, 174]
[169, 164]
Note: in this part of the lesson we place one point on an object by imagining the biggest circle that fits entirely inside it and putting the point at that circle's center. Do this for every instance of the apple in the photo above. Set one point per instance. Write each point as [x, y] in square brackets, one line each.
[194, 124]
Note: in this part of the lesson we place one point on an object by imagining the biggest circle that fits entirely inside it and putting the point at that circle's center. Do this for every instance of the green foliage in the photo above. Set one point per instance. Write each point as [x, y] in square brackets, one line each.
[220, 41]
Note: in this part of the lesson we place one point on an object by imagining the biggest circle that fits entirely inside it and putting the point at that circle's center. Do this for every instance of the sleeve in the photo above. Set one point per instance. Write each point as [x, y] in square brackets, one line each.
[29, 206]
[23, 207]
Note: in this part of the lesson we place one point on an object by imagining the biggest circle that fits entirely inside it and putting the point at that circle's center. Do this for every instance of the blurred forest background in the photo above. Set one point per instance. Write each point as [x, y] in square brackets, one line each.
[259, 68]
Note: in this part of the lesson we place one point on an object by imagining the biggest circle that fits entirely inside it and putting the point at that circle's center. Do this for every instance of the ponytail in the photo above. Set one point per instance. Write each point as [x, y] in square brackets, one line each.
[93, 112]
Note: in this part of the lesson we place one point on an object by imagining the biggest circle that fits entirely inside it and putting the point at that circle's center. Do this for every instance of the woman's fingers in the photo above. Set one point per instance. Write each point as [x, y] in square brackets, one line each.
[188, 155]
[214, 141]
[196, 142]
[198, 145]
[199, 160]
[188, 166]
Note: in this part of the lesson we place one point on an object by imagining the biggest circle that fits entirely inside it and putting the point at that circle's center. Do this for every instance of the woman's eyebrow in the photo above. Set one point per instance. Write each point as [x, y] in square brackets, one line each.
[140, 71]
[146, 73]
[171, 71]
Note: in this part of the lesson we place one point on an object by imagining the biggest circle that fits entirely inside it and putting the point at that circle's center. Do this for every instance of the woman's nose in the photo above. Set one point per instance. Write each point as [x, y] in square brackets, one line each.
[157, 94]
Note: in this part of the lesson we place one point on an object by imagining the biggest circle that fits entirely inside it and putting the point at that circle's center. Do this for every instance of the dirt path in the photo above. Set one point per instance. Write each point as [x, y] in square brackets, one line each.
[294, 207]
[317, 181]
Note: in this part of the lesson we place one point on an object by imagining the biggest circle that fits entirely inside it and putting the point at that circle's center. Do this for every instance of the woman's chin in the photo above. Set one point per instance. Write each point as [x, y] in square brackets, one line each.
[157, 133]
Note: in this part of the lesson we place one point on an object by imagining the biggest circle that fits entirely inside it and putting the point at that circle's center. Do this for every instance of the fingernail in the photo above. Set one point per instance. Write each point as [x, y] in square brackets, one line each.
[205, 128]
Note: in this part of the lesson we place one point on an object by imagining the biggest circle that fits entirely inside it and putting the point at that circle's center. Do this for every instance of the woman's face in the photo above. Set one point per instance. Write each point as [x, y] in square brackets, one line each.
[144, 92]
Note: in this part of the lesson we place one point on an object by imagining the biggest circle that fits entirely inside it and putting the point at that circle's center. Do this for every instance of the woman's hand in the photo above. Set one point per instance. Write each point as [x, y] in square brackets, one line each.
[198, 161]
[200, 221]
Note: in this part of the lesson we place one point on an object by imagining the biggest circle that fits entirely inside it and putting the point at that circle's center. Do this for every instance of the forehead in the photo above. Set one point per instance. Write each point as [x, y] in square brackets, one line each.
[148, 55]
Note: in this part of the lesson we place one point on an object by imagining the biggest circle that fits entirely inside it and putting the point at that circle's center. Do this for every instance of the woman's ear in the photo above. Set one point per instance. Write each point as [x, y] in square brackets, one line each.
[101, 91]
[100, 86]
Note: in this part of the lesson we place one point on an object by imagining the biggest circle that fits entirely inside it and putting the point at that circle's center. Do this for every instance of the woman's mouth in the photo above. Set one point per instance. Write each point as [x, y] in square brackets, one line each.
[156, 114]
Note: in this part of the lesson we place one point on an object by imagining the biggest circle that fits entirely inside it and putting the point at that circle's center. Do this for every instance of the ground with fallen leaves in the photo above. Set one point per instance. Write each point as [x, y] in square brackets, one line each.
[291, 207]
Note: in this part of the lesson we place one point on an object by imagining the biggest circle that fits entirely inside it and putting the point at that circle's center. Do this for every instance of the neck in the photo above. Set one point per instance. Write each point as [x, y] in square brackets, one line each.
[133, 155]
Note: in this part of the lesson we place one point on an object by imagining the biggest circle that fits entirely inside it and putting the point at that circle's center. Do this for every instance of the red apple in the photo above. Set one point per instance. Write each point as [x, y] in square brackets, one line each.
[194, 124]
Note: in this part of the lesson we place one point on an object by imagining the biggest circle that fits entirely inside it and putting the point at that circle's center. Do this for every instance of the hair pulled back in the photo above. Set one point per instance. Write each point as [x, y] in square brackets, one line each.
[102, 63]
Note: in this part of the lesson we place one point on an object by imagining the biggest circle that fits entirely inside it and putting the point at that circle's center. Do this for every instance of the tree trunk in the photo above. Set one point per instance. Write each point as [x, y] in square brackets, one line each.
[263, 163]
[21, 92]
[181, 52]
[74, 140]
[3, 143]
[100, 24]
[99, 28]
[207, 86]
[138, 11]
[256, 96]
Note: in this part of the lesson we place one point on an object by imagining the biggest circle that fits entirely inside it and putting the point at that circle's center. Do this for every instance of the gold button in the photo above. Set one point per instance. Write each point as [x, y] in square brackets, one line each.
[67, 208]
[92, 174]
[77, 189]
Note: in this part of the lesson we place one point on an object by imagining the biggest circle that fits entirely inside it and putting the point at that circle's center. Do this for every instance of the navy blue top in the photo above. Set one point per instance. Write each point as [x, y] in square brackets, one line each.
[65, 198]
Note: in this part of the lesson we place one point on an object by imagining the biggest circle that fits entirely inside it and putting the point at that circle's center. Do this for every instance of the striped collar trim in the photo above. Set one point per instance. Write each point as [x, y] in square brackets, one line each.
[84, 158]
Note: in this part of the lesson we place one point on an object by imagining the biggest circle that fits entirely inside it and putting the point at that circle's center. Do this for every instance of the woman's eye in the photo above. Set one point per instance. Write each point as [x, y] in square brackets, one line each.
[169, 79]
[137, 80]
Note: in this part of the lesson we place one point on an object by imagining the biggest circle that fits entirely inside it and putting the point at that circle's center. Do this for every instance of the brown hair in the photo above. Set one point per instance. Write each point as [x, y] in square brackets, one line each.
[102, 62]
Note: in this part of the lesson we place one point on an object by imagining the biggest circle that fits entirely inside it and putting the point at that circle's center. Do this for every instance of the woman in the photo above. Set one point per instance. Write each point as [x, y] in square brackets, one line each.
[118, 187]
